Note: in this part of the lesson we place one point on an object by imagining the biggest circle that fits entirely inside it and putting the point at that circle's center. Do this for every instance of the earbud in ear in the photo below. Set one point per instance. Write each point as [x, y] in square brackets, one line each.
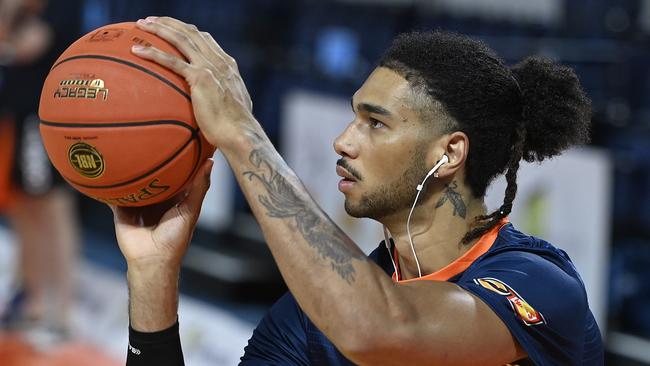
[443, 160]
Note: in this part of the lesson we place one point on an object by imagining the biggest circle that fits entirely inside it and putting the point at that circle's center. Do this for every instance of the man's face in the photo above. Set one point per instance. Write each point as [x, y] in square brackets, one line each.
[383, 150]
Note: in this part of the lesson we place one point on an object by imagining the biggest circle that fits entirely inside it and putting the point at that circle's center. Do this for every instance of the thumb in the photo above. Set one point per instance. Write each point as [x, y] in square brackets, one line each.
[191, 205]
[125, 215]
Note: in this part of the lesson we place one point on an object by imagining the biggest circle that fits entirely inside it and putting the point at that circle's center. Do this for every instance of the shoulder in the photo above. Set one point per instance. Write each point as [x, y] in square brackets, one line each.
[529, 268]
[540, 280]
[531, 256]
[536, 291]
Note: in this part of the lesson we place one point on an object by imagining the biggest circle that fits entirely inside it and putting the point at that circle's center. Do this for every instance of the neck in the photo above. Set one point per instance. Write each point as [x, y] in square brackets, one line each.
[438, 225]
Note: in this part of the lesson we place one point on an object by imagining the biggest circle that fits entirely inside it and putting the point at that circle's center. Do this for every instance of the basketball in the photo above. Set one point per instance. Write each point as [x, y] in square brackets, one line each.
[118, 128]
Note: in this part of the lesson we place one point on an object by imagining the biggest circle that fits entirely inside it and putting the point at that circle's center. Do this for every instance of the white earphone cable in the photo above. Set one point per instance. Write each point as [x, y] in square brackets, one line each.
[408, 230]
[390, 254]
[419, 188]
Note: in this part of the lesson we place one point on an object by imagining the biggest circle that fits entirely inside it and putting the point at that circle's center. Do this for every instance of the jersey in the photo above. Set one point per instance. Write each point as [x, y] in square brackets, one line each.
[531, 286]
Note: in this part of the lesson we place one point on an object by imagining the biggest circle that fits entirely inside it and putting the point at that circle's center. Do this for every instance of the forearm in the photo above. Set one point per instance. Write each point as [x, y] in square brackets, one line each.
[331, 278]
[153, 297]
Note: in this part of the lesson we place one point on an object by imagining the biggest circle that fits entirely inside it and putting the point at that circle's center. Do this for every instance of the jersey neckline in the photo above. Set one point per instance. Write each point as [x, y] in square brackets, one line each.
[461, 263]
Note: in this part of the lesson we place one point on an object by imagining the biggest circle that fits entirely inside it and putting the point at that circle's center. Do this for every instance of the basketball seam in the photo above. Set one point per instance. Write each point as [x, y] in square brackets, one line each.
[119, 124]
[160, 166]
[195, 131]
[127, 63]
[194, 169]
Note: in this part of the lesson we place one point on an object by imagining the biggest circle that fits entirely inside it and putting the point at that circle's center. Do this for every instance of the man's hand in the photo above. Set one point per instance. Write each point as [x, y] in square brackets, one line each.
[222, 105]
[160, 234]
[154, 240]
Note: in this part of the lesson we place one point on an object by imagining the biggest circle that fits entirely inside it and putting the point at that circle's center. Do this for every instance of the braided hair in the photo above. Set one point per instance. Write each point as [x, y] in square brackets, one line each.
[532, 111]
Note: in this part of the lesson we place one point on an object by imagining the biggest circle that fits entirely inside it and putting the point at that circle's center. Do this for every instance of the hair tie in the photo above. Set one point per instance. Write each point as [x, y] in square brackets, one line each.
[505, 209]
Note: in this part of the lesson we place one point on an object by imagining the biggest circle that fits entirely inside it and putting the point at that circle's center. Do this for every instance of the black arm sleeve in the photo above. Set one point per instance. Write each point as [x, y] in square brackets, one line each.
[159, 348]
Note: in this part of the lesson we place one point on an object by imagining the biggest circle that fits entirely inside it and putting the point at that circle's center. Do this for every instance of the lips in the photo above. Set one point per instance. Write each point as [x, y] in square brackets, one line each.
[343, 173]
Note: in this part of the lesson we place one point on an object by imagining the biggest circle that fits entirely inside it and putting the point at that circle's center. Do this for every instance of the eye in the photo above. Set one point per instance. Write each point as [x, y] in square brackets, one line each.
[374, 124]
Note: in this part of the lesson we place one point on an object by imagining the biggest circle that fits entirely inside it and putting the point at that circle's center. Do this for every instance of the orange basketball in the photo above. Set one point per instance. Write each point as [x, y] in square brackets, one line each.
[118, 128]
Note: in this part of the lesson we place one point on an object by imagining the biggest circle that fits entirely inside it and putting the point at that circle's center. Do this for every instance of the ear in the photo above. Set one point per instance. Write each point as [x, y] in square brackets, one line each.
[456, 147]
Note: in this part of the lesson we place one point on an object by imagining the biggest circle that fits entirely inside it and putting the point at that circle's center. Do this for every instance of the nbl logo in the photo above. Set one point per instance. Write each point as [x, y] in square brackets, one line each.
[86, 160]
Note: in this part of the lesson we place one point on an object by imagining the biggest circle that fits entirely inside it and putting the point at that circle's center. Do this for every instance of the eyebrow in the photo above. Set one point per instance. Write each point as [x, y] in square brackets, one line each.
[371, 108]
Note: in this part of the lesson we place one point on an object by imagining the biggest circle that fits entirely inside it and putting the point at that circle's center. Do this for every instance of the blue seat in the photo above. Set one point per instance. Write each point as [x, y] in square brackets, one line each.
[631, 210]
[358, 33]
[629, 289]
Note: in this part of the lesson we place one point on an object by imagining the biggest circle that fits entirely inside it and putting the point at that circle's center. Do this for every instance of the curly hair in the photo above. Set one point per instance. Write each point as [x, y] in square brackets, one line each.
[532, 111]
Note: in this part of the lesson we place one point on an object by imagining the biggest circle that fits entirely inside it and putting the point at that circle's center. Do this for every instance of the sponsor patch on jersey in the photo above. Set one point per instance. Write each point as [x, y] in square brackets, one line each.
[522, 309]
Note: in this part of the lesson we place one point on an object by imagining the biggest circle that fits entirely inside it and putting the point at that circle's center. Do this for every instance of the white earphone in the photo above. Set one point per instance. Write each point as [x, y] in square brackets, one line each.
[443, 160]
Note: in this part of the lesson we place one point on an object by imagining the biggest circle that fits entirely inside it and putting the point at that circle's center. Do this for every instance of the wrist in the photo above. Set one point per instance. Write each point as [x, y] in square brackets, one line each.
[236, 133]
[239, 143]
[153, 298]
[137, 273]
[155, 265]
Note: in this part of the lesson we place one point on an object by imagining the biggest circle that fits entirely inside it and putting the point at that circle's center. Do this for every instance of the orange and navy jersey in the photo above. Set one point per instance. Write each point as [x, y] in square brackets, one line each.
[532, 286]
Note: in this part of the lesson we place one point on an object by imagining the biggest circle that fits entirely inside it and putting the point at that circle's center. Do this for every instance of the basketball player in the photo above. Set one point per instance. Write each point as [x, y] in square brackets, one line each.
[434, 123]
[39, 207]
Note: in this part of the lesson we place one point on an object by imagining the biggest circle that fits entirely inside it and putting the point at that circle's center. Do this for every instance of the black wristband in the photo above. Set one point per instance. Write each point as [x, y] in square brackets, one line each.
[162, 348]
[154, 337]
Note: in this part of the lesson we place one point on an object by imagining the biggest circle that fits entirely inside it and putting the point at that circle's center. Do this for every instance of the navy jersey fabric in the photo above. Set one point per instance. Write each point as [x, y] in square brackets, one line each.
[531, 285]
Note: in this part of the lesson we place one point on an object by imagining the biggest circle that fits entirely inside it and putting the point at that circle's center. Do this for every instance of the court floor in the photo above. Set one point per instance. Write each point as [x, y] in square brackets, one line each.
[211, 335]
[15, 352]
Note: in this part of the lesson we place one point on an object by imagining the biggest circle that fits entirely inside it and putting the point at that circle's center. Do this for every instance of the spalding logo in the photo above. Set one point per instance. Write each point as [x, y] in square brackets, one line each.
[86, 160]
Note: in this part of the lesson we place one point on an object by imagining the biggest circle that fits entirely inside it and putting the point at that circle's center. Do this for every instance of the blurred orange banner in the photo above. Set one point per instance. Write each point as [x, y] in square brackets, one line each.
[7, 141]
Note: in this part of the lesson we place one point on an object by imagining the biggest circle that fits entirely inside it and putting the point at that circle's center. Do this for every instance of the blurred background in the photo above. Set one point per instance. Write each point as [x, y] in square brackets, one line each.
[63, 298]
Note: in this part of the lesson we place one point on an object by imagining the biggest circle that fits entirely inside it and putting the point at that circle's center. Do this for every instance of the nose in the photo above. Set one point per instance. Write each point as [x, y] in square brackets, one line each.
[345, 145]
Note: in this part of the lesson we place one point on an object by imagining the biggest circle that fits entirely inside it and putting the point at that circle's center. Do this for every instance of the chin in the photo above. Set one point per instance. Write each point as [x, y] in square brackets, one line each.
[361, 211]
[354, 211]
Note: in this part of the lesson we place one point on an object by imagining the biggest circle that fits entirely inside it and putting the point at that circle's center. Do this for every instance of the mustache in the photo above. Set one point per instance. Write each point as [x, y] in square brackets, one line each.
[344, 163]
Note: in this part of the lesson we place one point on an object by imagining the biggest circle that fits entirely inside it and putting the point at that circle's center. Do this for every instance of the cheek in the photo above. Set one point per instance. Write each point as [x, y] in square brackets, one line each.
[386, 163]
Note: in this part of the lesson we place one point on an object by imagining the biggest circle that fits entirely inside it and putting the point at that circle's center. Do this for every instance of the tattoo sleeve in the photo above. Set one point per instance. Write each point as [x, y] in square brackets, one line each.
[450, 194]
[284, 200]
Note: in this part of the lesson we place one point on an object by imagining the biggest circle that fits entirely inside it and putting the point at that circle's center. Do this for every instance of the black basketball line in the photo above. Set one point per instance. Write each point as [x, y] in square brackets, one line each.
[120, 124]
[127, 63]
[155, 169]
[195, 132]
[196, 164]
[195, 135]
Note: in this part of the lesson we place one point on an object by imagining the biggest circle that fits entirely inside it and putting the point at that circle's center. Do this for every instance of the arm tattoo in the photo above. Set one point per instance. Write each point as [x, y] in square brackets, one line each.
[283, 201]
[450, 194]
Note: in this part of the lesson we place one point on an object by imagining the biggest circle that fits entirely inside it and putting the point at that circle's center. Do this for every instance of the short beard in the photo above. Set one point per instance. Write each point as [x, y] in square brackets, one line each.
[394, 196]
